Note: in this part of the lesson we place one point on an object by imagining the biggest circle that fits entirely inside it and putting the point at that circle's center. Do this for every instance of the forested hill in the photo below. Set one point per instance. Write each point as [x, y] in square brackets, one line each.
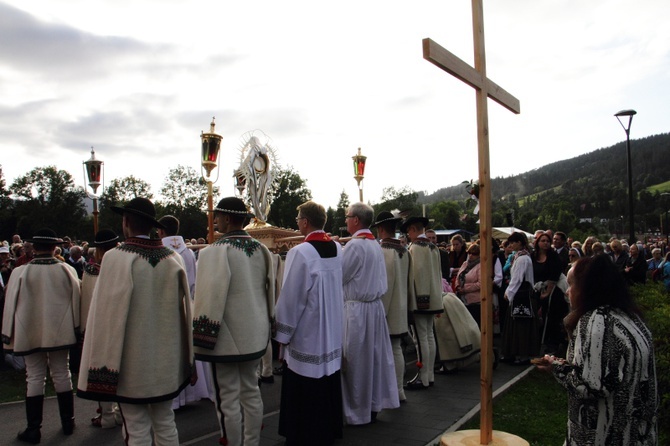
[599, 172]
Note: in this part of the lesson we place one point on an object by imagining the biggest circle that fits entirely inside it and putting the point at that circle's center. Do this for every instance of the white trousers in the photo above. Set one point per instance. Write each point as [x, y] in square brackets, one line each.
[426, 338]
[139, 419]
[36, 372]
[399, 361]
[238, 395]
[266, 362]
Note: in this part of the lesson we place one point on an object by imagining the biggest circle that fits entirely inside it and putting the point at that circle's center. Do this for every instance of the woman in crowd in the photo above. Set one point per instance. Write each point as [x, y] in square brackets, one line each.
[573, 255]
[587, 247]
[655, 262]
[468, 282]
[635, 270]
[598, 248]
[609, 372]
[520, 335]
[553, 306]
[457, 255]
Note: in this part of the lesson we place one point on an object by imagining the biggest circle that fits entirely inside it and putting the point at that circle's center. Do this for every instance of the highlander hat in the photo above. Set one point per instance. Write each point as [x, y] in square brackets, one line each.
[412, 220]
[142, 207]
[45, 236]
[105, 238]
[232, 205]
[385, 217]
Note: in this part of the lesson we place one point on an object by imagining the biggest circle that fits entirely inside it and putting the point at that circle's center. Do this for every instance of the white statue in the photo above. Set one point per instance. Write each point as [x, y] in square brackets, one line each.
[256, 172]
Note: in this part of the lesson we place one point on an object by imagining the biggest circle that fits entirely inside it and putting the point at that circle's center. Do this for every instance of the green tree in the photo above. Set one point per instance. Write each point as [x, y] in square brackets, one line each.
[119, 192]
[445, 215]
[184, 188]
[48, 197]
[184, 195]
[403, 199]
[330, 218]
[290, 192]
[339, 223]
[7, 220]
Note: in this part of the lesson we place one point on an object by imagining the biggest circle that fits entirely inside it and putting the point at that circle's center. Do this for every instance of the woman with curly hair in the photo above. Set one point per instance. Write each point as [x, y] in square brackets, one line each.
[609, 372]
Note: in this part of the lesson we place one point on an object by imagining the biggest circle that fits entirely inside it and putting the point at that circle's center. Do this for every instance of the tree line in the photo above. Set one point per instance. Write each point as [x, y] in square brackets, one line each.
[585, 195]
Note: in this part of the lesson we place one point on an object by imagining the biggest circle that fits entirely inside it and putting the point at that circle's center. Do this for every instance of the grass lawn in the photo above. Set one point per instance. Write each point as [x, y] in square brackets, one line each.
[535, 409]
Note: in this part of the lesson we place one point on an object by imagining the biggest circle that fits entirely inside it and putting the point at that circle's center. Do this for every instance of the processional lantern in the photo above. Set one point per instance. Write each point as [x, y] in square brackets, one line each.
[359, 171]
[211, 144]
[93, 172]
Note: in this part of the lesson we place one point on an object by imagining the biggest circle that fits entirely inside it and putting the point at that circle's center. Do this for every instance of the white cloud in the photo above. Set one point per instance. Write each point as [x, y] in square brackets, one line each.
[139, 80]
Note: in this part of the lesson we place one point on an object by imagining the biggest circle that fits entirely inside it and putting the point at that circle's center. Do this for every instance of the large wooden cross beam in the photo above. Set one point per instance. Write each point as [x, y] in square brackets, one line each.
[485, 88]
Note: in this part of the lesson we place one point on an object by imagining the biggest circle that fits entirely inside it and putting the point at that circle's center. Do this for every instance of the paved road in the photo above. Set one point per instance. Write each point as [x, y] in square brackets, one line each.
[420, 421]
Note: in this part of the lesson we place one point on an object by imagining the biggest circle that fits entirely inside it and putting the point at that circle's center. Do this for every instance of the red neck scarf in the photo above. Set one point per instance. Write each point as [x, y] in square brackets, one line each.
[317, 236]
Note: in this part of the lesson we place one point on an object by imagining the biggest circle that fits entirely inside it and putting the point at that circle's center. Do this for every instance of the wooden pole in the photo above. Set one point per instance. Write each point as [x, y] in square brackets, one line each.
[485, 88]
[210, 213]
[486, 369]
[95, 215]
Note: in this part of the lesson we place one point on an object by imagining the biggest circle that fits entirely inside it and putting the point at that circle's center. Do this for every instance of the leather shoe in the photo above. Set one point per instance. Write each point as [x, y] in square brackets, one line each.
[415, 385]
[267, 379]
[278, 370]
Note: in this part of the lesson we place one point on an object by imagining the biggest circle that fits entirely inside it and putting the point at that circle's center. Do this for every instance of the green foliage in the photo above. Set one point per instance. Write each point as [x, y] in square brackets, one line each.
[591, 186]
[445, 215]
[119, 192]
[654, 301]
[403, 199]
[184, 188]
[338, 226]
[48, 197]
[290, 192]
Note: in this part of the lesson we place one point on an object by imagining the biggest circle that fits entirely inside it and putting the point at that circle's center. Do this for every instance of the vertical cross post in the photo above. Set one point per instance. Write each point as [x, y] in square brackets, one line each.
[485, 88]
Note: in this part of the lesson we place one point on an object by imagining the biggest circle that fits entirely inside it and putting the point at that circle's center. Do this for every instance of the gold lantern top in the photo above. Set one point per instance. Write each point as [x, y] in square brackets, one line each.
[211, 143]
[359, 165]
[93, 169]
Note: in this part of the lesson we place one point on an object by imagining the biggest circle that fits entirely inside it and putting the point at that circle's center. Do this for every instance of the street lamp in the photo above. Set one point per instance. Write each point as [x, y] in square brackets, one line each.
[211, 143]
[359, 171]
[630, 114]
[93, 170]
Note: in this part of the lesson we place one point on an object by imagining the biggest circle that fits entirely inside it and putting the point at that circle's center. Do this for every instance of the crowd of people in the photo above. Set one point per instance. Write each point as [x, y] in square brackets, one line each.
[151, 323]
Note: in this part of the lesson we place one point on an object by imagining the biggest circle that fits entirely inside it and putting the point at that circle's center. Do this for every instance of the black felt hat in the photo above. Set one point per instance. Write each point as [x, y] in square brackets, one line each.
[411, 220]
[106, 238]
[142, 207]
[45, 236]
[232, 205]
[385, 217]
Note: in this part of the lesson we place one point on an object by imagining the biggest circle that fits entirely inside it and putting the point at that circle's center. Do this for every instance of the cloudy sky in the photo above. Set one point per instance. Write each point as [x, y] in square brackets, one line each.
[140, 79]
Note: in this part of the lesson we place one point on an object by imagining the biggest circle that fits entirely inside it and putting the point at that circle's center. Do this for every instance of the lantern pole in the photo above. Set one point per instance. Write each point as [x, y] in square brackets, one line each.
[93, 173]
[359, 171]
[211, 143]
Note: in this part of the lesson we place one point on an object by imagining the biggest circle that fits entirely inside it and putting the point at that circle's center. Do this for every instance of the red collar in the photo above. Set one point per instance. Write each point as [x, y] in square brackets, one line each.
[318, 236]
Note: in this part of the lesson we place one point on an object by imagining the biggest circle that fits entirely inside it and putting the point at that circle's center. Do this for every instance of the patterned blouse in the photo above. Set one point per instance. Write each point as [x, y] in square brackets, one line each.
[610, 377]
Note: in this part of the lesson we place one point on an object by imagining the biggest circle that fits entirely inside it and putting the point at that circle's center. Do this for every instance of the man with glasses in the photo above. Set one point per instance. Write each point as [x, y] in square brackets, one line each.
[369, 382]
[309, 328]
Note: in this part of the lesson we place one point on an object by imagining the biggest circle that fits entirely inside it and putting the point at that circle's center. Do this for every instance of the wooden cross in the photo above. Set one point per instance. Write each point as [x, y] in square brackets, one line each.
[476, 78]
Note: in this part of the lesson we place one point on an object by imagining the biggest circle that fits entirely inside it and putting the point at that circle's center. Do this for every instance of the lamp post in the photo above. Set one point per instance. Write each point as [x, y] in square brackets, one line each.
[359, 171]
[630, 114]
[211, 143]
[93, 170]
